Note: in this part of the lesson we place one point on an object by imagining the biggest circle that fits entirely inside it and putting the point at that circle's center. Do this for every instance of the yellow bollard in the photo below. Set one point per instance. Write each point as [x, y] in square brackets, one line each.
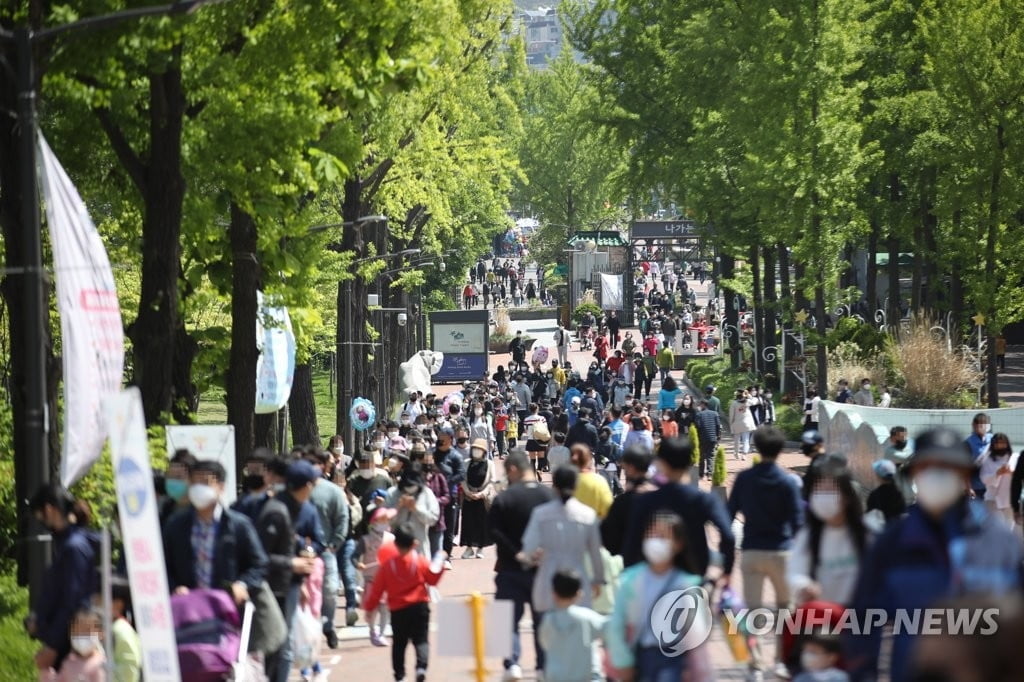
[476, 605]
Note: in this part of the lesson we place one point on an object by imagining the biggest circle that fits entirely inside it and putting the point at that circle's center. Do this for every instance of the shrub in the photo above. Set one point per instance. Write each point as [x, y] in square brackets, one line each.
[847, 361]
[583, 308]
[718, 473]
[18, 649]
[934, 376]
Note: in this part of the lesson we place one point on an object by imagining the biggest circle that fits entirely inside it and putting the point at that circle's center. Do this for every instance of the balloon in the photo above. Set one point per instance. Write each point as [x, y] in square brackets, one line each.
[363, 414]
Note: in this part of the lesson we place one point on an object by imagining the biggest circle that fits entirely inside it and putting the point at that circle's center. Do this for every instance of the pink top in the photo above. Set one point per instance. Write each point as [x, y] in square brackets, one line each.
[78, 669]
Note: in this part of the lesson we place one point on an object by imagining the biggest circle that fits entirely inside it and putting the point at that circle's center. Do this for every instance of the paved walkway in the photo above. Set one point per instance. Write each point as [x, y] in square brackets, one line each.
[1011, 382]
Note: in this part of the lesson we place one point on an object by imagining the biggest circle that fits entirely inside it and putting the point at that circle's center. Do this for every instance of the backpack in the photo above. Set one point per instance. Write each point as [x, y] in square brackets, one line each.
[540, 432]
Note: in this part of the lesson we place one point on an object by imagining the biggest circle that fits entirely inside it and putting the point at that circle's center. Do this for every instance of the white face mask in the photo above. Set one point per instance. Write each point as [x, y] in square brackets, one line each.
[84, 645]
[364, 473]
[478, 412]
[201, 495]
[812, 661]
[825, 505]
[392, 434]
[938, 489]
[477, 453]
[657, 550]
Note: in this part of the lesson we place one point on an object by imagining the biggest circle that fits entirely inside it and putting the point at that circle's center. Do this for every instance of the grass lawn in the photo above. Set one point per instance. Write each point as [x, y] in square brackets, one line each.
[213, 410]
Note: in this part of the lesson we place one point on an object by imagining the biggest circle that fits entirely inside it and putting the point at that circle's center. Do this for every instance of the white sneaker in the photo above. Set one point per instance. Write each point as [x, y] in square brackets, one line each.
[781, 671]
[513, 672]
[480, 554]
[469, 553]
[448, 565]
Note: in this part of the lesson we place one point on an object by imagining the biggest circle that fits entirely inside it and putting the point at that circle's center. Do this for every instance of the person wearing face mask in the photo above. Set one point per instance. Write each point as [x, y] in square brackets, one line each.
[820, 658]
[978, 442]
[478, 489]
[635, 463]
[864, 396]
[482, 427]
[86, 662]
[633, 647]
[176, 484]
[557, 537]
[367, 477]
[416, 505]
[769, 500]
[946, 546]
[996, 467]
[827, 551]
[378, 534]
[256, 485]
[69, 580]
[886, 499]
[286, 522]
[208, 546]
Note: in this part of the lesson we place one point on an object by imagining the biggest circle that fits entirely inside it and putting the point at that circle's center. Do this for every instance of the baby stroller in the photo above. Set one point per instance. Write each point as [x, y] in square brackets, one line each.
[212, 638]
[586, 335]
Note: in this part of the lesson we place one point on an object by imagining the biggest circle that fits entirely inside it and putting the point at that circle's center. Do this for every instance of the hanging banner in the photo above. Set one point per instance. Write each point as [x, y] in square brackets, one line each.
[275, 367]
[92, 336]
[611, 292]
[140, 529]
[208, 442]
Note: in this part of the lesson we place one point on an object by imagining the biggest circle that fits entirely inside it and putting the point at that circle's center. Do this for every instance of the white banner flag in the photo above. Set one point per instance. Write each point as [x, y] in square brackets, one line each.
[275, 368]
[92, 337]
[140, 529]
[611, 292]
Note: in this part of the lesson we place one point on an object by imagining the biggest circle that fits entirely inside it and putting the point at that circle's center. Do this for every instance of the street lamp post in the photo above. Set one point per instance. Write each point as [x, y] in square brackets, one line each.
[32, 462]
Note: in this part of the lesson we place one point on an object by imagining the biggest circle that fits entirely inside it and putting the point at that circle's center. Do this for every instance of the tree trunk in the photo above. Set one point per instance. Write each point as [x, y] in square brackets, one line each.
[800, 301]
[871, 271]
[770, 336]
[956, 289]
[822, 329]
[892, 311]
[990, 262]
[302, 407]
[757, 317]
[731, 328]
[186, 394]
[918, 269]
[929, 242]
[241, 383]
[265, 431]
[785, 286]
[154, 333]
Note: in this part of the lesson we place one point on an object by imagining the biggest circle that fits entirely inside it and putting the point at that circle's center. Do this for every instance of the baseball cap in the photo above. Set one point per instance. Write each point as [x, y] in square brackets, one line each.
[941, 445]
[300, 472]
[812, 437]
[709, 388]
[883, 468]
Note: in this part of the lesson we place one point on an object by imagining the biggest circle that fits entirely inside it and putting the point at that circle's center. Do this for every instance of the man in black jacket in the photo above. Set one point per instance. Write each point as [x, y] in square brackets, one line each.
[697, 508]
[709, 432]
[635, 462]
[209, 546]
[614, 325]
[509, 515]
[451, 465]
[289, 560]
[583, 431]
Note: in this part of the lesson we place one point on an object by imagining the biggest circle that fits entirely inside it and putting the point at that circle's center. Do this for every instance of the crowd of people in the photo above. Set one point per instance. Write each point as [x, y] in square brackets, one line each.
[503, 283]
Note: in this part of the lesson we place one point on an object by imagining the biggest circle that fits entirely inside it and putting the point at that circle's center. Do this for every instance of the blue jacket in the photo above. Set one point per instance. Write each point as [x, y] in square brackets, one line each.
[68, 585]
[237, 553]
[709, 425]
[772, 510]
[916, 562]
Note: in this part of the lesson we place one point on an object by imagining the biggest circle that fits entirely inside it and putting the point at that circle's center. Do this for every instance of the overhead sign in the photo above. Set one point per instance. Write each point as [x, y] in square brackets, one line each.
[463, 337]
[140, 529]
[208, 442]
[661, 229]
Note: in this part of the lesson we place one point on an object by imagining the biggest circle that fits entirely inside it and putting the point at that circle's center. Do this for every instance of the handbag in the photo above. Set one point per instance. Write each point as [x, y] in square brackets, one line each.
[541, 433]
[269, 630]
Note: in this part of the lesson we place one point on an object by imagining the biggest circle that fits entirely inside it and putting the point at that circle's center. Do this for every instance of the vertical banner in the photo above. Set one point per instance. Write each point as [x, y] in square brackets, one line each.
[140, 529]
[611, 292]
[208, 442]
[92, 336]
[275, 368]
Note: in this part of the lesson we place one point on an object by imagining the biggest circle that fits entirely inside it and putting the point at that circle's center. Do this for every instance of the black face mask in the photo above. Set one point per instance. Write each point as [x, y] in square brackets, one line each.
[900, 444]
[253, 481]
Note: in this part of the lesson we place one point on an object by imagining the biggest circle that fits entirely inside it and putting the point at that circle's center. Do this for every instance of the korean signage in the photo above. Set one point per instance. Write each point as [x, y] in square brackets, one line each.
[140, 529]
[463, 337]
[662, 229]
[459, 338]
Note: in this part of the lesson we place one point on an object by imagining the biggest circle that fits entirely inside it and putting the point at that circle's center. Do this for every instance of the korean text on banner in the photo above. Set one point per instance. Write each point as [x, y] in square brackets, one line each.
[92, 336]
[140, 529]
[275, 368]
[611, 292]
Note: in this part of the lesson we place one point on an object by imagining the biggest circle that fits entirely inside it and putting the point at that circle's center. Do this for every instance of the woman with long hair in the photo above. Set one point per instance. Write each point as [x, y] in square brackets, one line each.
[825, 560]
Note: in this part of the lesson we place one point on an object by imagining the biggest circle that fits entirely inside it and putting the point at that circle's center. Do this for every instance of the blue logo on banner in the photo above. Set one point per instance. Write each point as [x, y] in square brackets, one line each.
[133, 487]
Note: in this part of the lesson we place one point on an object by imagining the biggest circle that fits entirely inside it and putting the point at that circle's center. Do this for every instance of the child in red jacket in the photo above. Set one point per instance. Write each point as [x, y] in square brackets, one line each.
[405, 579]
